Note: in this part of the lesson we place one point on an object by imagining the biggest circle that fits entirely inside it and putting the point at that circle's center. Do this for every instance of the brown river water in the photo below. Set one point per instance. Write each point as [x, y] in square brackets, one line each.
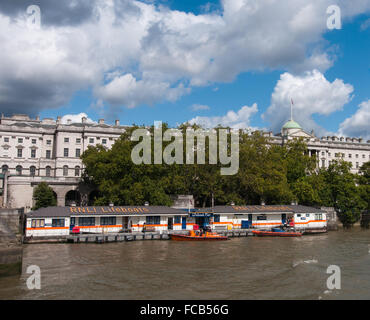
[241, 268]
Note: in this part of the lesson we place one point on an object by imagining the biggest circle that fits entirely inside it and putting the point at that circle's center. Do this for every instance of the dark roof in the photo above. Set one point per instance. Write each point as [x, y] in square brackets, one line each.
[264, 209]
[91, 211]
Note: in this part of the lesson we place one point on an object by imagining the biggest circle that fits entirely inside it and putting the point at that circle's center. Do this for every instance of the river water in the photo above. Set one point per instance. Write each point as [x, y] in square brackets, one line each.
[241, 268]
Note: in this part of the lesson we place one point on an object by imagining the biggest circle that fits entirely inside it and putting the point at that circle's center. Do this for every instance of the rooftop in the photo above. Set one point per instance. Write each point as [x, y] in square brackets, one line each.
[291, 124]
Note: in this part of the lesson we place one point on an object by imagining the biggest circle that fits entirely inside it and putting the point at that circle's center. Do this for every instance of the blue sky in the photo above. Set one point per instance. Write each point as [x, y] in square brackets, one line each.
[152, 84]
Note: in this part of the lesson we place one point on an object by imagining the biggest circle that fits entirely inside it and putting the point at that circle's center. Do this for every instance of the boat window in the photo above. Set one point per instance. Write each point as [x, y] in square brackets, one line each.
[108, 221]
[261, 218]
[216, 218]
[153, 220]
[86, 221]
[58, 223]
[298, 215]
[318, 216]
[38, 223]
[177, 219]
[307, 214]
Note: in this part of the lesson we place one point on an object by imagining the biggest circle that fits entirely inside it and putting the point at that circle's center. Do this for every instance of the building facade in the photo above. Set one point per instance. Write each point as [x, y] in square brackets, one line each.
[34, 151]
[353, 150]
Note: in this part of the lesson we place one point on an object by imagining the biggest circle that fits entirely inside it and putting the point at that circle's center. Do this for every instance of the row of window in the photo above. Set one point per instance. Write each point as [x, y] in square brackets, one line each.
[66, 153]
[48, 153]
[82, 221]
[19, 170]
[66, 140]
[20, 140]
[357, 165]
[20, 153]
[91, 140]
[340, 155]
[55, 223]
[111, 221]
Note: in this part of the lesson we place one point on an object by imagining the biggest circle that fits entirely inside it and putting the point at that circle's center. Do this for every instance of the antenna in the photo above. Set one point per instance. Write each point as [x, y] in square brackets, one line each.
[291, 109]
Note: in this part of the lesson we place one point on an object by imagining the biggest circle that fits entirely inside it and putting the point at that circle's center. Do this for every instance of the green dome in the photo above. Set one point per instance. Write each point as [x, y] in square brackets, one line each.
[291, 125]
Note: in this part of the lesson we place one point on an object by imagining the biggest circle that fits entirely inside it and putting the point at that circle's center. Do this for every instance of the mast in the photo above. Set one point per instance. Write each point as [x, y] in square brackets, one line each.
[291, 109]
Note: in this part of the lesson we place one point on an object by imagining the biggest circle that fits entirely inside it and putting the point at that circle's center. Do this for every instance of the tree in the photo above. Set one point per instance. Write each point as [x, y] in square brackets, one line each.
[343, 192]
[43, 196]
[299, 163]
[363, 181]
[268, 173]
[262, 175]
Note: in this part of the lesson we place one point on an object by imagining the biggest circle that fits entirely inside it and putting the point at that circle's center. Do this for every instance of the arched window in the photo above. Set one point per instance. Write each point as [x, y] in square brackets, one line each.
[32, 171]
[65, 171]
[77, 171]
[48, 171]
[4, 169]
[18, 169]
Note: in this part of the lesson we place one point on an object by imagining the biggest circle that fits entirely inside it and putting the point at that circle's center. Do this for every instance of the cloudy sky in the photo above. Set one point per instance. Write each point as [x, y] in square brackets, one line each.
[230, 62]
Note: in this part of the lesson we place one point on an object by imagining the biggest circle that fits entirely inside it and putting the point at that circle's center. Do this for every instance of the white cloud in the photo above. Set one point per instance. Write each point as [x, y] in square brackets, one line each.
[312, 94]
[199, 107]
[126, 90]
[236, 120]
[357, 125]
[133, 53]
[76, 118]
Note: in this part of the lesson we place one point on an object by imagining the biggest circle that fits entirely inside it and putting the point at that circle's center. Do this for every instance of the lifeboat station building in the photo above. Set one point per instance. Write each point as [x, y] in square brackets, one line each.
[260, 216]
[59, 221]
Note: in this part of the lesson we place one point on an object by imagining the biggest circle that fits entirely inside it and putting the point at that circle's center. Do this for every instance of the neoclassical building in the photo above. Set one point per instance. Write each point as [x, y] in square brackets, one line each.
[34, 150]
[329, 148]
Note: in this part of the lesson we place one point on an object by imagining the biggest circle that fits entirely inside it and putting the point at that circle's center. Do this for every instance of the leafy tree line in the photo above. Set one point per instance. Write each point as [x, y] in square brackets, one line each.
[268, 173]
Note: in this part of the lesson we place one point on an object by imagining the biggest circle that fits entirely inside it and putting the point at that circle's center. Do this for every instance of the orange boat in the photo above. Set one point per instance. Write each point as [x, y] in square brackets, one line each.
[193, 236]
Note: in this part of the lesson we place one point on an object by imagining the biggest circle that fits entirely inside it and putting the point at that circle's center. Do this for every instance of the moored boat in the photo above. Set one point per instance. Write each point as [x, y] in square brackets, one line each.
[193, 236]
[275, 233]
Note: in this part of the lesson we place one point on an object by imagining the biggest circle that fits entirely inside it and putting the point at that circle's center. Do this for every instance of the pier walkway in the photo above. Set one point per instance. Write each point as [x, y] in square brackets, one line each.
[120, 237]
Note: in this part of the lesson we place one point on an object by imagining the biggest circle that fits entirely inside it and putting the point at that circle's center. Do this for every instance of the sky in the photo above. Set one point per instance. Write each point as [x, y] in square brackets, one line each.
[237, 63]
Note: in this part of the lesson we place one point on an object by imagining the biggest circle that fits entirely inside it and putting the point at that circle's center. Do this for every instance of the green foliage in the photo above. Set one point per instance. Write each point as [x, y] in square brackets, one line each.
[364, 183]
[299, 163]
[44, 196]
[270, 173]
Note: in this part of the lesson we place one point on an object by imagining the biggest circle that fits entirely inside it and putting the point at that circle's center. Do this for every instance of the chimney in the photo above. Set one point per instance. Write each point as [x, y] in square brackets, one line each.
[59, 119]
[117, 123]
[101, 121]
[37, 118]
[84, 119]
[69, 121]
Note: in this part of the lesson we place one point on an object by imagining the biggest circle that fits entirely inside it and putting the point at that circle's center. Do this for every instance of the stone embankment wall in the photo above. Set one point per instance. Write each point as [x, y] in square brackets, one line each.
[11, 231]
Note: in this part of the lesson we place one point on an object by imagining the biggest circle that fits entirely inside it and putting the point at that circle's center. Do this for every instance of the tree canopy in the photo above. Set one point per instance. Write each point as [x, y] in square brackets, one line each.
[273, 174]
[43, 196]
